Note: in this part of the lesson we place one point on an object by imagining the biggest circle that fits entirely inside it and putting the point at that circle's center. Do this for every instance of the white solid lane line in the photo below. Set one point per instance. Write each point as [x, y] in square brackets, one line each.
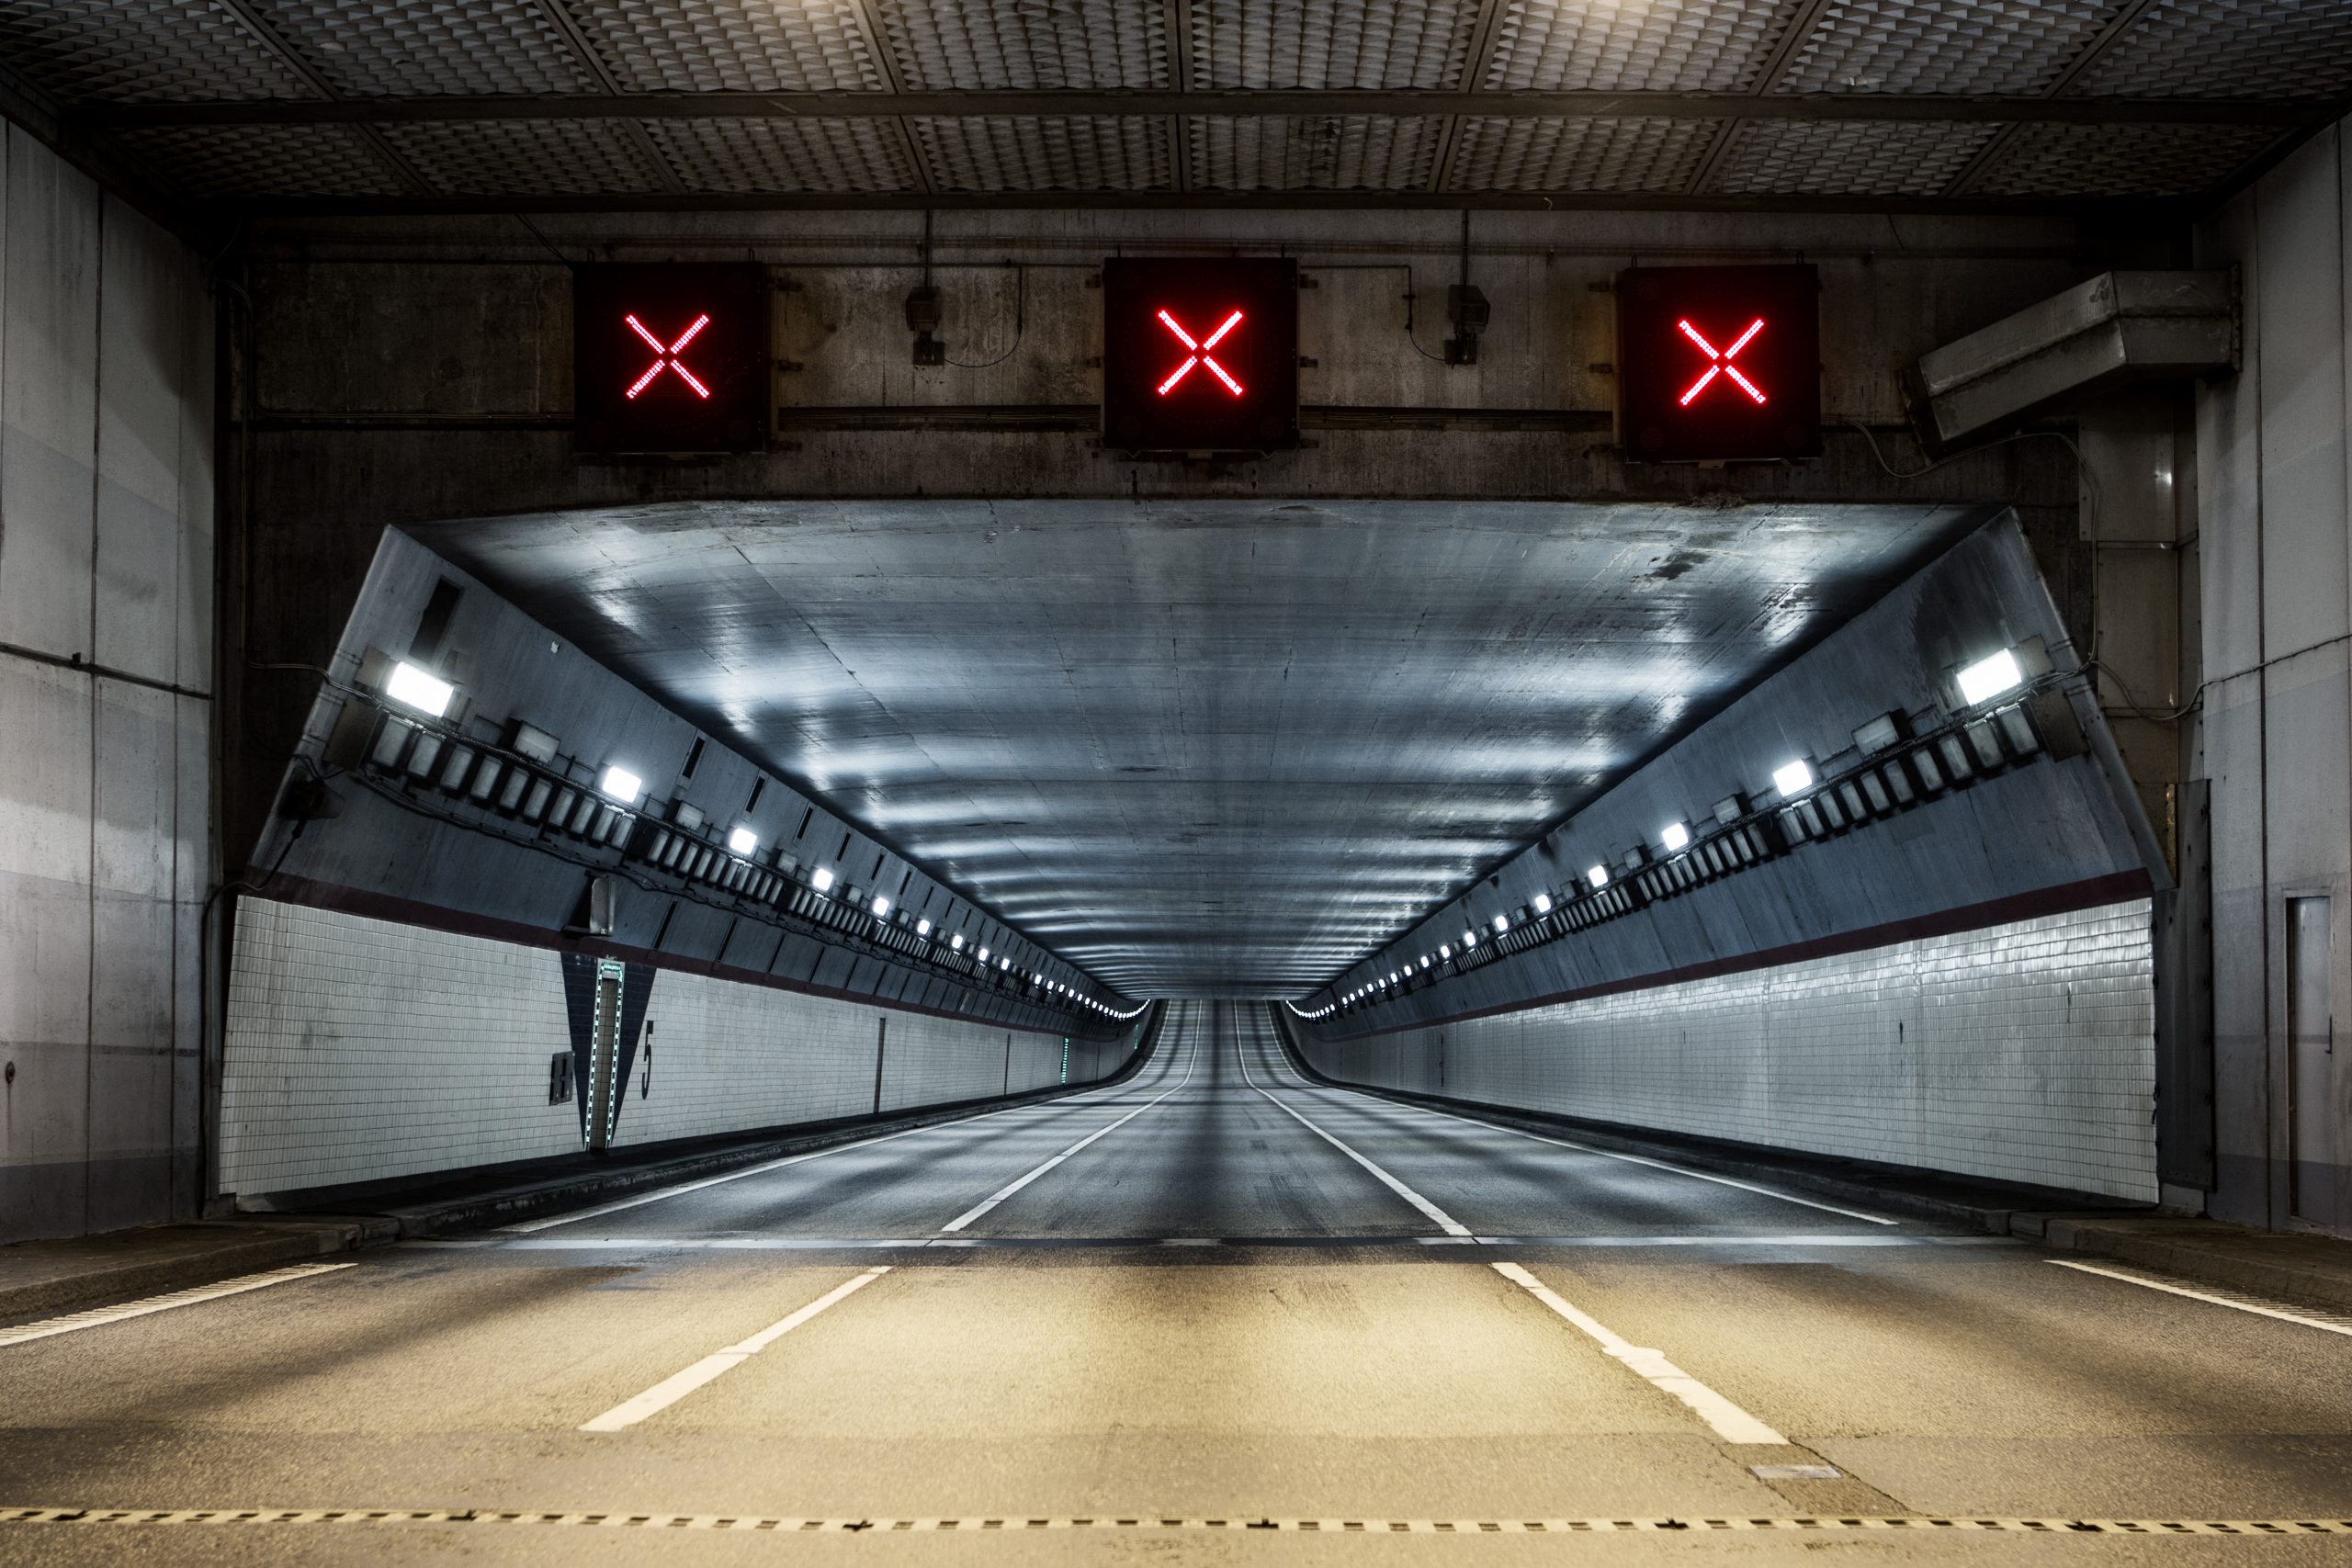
[1629, 1159]
[97, 1318]
[1727, 1420]
[2213, 1297]
[1002, 1193]
[1437, 1216]
[676, 1386]
[1066, 1102]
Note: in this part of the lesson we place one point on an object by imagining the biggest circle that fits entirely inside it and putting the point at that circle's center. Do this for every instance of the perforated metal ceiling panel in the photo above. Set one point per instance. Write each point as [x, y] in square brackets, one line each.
[1944, 46]
[2119, 159]
[142, 51]
[1008, 44]
[1819, 157]
[253, 160]
[751, 155]
[1046, 152]
[1317, 152]
[1757, 99]
[480, 46]
[534, 157]
[1580, 154]
[2229, 49]
[1331, 43]
[1683, 46]
[731, 46]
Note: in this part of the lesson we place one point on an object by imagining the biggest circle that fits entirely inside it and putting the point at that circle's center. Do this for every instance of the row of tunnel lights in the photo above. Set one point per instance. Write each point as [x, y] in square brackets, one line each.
[1980, 682]
[431, 696]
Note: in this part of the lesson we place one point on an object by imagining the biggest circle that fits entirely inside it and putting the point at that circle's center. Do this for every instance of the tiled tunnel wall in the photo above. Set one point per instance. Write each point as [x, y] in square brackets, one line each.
[359, 1050]
[2020, 1052]
[105, 707]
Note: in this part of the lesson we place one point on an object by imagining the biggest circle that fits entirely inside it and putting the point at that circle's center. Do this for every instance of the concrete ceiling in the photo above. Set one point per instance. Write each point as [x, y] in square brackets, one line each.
[1214, 749]
[499, 105]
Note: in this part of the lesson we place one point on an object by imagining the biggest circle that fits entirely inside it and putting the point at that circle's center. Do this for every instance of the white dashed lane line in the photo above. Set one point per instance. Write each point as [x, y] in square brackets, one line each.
[1726, 1420]
[677, 1385]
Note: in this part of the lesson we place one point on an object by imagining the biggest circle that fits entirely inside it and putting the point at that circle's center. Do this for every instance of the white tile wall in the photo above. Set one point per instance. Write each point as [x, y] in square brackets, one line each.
[360, 1050]
[2022, 1052]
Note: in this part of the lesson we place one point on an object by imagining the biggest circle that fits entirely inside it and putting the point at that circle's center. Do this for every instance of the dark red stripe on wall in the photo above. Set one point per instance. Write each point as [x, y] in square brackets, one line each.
[288, 890]
[2062, 901]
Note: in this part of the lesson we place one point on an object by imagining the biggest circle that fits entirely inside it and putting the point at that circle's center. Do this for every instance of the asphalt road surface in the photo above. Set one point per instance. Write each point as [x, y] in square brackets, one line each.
[1216, 1313]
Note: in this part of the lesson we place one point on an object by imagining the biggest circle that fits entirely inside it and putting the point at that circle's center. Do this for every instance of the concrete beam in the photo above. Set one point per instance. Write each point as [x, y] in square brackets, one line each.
[2118, 327]
[1129, 102]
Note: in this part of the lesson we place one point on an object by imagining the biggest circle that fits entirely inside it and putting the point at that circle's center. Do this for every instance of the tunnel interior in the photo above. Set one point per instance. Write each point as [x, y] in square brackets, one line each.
[1051, 780]
[1213, 750]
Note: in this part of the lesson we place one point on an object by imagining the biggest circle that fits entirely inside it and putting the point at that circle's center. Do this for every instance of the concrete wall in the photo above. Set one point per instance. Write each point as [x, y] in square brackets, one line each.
[360, 1050]
[2277, 731]
[106, 714]
[2019, 1052]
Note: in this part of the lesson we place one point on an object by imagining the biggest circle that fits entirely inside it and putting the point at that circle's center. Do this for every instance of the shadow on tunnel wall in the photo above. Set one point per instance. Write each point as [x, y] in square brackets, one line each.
[1936, 954]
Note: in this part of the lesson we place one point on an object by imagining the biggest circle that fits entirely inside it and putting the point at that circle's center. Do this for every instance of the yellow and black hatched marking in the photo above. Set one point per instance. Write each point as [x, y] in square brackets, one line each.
[1921, 1524]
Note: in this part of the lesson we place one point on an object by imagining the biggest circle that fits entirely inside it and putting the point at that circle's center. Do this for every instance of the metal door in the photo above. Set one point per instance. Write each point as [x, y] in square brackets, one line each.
[2315, 1120]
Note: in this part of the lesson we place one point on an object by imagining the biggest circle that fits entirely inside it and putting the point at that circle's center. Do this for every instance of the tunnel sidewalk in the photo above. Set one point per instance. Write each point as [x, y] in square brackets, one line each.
[41, 1278]
[2315, 1269]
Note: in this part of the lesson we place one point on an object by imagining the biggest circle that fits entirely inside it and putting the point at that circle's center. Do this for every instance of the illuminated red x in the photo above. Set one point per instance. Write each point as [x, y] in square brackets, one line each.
[1721, 363]
[666, 355]
[1199, 352]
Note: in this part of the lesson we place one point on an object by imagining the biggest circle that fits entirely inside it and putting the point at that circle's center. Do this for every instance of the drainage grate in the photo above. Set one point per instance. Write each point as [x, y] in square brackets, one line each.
[1922, 1524]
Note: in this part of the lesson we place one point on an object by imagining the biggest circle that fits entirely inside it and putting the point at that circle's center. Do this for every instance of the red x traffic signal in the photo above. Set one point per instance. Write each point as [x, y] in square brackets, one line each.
[1719, 363]
[670, 358]
[1199, 353]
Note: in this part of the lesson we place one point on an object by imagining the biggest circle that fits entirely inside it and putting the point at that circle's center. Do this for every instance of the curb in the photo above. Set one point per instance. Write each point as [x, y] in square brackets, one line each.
[2188, 1258]
[264, 1243]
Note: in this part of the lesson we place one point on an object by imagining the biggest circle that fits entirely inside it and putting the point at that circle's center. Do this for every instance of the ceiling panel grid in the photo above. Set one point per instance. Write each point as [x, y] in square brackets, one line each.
[253, 160]
[1943, 46]
[429, 47]
[1016, 45]
[2119, 159]
[747, 156]
[2239, 49]
[1680, 46]
[1313, 153]
[561, 157]
[1825, 157]
[1045, 153]
[1579, 153]
[144, 51]
[1331, 44]
[730, 46]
